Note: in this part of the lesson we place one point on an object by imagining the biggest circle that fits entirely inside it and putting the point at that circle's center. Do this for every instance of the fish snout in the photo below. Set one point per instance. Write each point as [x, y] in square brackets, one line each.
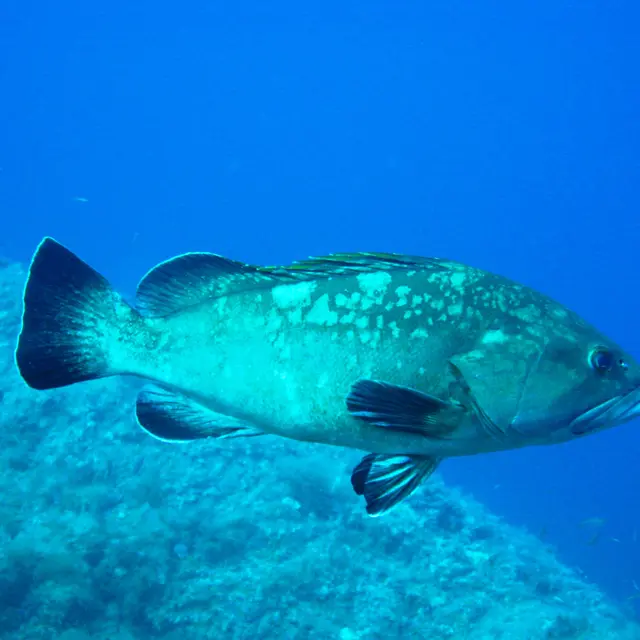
[610, 413]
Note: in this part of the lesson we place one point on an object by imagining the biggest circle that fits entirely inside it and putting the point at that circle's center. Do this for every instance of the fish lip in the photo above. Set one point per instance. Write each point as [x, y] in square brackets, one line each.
[611, 413]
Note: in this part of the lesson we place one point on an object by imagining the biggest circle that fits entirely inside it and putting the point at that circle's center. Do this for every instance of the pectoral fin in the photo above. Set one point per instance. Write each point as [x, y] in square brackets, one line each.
[173, 417]
[385, 481]
[391, 406]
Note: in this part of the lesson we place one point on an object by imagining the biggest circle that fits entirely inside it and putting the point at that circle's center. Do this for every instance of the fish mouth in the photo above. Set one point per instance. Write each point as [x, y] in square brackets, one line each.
[611, 413]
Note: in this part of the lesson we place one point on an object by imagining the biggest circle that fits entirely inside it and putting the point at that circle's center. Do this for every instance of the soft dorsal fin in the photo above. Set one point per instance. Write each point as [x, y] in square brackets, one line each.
[192, 278]
[189, 279]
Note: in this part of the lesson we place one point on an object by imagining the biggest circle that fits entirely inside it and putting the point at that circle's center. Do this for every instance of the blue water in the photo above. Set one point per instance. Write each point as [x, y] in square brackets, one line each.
[504, 135]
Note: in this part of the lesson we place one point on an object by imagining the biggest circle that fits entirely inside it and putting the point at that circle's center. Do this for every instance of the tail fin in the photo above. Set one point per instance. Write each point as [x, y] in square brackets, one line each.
[71, 316]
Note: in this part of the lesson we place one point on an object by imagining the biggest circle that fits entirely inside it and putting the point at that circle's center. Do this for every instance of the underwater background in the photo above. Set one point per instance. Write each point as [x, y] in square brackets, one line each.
[502, 135]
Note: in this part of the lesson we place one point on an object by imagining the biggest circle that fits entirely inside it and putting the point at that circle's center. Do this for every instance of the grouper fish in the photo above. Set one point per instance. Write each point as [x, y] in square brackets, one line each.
[412, 360]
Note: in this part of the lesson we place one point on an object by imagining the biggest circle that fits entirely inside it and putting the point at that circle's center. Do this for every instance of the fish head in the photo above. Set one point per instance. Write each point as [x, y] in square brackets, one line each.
[550, 386]
[609, 393]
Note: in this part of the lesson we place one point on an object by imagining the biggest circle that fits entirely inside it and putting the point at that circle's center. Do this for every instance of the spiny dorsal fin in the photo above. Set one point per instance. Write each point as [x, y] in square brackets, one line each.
[347, 263]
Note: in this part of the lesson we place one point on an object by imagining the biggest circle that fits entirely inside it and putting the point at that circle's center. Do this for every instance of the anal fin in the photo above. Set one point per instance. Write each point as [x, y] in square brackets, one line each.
[386, 480]
[172, 417]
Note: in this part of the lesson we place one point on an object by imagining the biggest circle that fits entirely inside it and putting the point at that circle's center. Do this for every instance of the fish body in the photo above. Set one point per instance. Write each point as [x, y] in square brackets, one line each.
[412, 359]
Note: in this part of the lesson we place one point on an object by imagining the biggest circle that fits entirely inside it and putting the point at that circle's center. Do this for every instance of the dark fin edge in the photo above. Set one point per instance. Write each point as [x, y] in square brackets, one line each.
[192, 278]
[68, 310]
[344, 263]
[386, 480]
[390, 406]
[173, 417]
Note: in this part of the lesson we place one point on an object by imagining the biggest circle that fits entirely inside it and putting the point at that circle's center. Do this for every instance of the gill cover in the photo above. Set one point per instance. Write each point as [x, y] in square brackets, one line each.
[519, 384]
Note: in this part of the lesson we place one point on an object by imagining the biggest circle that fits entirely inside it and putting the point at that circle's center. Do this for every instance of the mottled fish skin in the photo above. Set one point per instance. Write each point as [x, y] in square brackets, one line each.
[284, 358]
[412, 359]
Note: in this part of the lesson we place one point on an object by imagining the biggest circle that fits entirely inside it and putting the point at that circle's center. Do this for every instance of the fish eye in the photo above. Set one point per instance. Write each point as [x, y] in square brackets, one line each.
[601, 359]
